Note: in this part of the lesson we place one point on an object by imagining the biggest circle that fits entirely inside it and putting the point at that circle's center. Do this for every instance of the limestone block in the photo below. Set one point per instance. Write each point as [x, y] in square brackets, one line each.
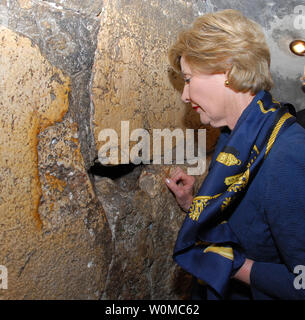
[26, 109]
[144, 219]
[25, 4]
[79, 6]
[131, 77]
[52, 227]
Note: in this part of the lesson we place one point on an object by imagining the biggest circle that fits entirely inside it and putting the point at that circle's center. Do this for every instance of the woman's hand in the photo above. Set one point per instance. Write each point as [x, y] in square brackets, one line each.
[182, 185]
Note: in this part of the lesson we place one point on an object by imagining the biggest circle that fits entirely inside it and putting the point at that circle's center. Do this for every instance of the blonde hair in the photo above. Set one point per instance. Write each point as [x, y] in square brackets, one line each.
[226, 41]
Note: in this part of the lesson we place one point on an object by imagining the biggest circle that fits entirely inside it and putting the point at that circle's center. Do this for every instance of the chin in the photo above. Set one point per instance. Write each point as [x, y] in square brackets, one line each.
[205, 121]
[211, 123]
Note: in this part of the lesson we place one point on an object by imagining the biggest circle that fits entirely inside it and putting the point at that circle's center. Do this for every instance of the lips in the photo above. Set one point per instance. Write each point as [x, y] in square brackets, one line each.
[195, 107]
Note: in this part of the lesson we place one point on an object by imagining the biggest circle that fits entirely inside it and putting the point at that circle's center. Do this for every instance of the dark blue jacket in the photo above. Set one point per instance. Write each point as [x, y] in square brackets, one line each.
[269, 220]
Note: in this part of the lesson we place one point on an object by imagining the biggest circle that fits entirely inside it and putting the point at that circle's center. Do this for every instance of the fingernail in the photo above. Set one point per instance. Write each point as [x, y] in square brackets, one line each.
[167, 180]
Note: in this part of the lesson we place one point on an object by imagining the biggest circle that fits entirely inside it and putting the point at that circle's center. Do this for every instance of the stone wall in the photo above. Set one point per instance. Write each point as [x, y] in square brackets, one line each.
[53, 229]
[69, 227]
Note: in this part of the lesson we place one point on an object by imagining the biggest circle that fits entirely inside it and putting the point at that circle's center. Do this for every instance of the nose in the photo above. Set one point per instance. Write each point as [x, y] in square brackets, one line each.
[185, 97]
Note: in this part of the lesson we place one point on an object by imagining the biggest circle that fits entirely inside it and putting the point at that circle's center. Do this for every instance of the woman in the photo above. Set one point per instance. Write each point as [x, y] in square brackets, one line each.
[243, 235]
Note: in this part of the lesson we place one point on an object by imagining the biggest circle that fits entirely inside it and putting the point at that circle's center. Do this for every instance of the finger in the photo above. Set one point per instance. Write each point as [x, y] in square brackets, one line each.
[173, 186]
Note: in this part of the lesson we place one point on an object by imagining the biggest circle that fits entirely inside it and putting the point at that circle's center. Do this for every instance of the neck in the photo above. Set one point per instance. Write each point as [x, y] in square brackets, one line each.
[236, 104]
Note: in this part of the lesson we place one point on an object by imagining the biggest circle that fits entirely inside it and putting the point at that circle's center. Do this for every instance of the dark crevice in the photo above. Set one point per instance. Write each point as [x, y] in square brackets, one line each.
[112, 171]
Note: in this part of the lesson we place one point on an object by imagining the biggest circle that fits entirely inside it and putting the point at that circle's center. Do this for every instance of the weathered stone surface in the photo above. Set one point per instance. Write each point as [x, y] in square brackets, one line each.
[144, 219]
[65, 32]
[90, 8]
[25, 111]
[66, 37]
[53, 230]
[131, 80]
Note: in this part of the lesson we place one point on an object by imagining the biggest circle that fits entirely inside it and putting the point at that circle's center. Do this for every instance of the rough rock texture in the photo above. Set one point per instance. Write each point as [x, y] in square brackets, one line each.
[144, 219]
[53, 229]
[65, 32]
[131, 77]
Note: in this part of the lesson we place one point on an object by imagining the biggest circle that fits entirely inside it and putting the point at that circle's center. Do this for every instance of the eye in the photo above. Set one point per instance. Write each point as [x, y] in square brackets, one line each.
[187, 80]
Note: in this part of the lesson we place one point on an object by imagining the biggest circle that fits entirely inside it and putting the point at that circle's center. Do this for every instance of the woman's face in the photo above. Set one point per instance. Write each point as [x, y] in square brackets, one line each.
[207, 95]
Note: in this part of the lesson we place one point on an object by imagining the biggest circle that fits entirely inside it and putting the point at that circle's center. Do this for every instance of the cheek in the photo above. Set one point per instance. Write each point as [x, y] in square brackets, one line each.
[196, 92]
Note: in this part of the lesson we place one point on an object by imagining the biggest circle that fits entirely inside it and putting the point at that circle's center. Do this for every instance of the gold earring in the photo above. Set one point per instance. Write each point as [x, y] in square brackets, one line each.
[227, 83]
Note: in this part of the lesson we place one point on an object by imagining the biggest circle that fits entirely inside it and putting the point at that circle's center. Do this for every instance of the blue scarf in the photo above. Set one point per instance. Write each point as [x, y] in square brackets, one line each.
[206, 247]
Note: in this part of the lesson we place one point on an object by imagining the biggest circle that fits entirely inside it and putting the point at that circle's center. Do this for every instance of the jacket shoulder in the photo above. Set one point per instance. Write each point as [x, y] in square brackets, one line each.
[289, 146]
